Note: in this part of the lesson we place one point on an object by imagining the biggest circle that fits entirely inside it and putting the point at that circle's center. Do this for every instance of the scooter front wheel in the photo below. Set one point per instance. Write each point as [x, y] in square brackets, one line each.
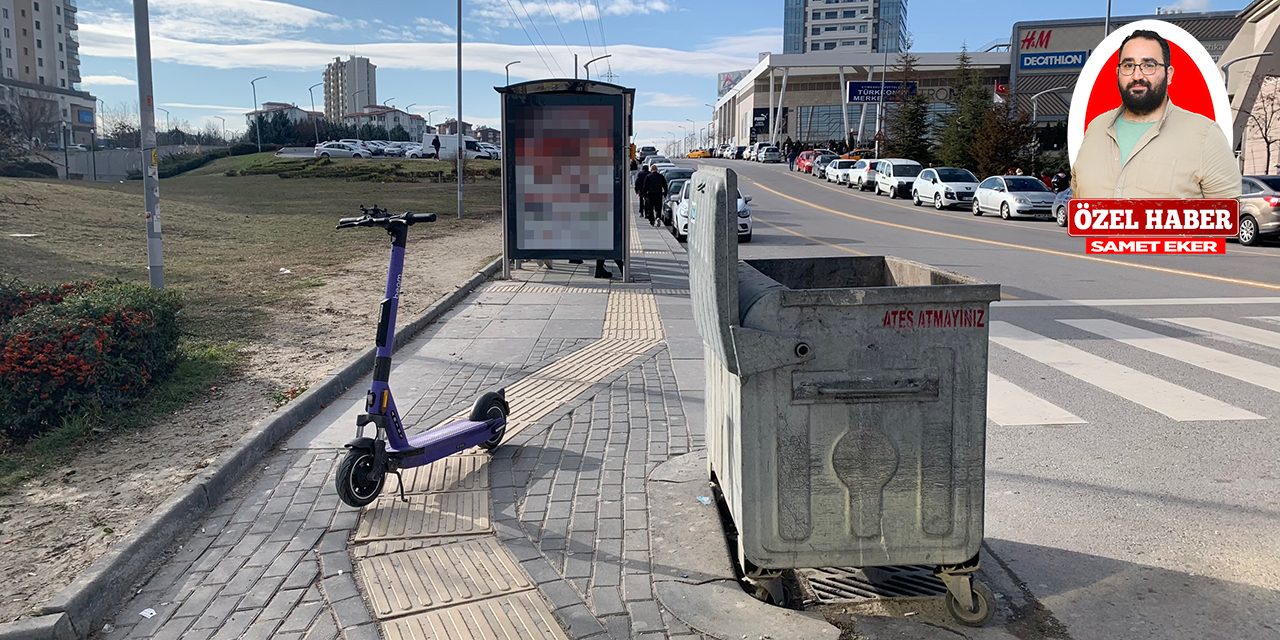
[488, 407]
[356, 481]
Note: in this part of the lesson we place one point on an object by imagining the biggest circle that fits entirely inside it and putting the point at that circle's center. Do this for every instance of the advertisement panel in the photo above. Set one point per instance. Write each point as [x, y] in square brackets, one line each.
[870, 92]
[565, 164]
[84, 116]
[760, 120]
[727, 81]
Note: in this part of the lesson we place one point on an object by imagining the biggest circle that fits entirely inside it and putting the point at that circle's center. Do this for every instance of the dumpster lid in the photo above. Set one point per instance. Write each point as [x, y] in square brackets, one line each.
[713, 259]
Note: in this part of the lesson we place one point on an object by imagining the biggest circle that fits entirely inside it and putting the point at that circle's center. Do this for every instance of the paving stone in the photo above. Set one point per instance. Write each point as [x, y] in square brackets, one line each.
[195, 604]
[235, 626]
[302, 575]
[637, 587]
[351, 612]
[301, 617]
[607, 601]
[324, 627]
[336, 563]
[245, 580]
[339, 588]
[560, 594]
[579, 621]
[217, 613]
[281, 604]
[645, 616]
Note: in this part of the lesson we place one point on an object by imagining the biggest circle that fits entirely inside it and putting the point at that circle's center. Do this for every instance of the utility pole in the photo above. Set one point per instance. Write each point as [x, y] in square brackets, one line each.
[167, 129]
[150, 159]
[257, 117]
[66, 156]
[311, 91]
[509, 71]
[93, 142]
[461, 146]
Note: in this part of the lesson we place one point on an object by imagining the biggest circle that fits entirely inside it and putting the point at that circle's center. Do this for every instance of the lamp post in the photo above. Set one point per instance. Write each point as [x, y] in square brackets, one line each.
[314, 121]
[1035, 105]
[93, 148]
[508, 68]
[167, 128]
[1227, 65]
[224, 133]
[257, 118]
[66, 155]
[1106, 26]
[684, 137]
[460, 131]
[587, 67]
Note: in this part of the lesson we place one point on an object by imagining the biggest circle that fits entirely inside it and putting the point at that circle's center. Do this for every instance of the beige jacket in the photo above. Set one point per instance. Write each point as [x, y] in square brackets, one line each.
[1184, 155]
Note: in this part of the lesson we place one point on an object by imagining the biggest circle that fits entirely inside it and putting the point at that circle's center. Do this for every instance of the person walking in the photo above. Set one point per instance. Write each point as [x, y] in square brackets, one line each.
[655, 189]
[639, 187]
[435, 144]
[792, 157]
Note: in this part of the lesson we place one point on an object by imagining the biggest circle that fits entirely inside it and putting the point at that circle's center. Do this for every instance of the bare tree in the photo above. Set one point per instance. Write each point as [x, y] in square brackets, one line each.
[37, 119]
[1264, 119]
[120, 126]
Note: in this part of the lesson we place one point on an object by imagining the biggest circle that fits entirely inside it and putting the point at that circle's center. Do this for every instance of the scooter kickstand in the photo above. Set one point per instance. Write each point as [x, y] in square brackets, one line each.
[399, 485]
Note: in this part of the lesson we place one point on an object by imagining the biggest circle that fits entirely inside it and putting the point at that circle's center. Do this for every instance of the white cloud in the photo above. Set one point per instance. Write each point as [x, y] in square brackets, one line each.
[750, 44]
[658, 132]
[98, 81]
[219, 21]
[1189, 5]
[419, 30]
[221, 108]
[571, 13]
[657, 99]
[631, 7]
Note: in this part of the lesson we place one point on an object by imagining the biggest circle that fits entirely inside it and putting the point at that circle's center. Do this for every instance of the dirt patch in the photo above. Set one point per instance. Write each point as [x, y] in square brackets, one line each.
[55, 526]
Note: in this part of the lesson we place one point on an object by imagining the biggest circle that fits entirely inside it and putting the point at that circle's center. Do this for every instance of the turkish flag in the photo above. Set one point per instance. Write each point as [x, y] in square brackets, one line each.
[1001, 88]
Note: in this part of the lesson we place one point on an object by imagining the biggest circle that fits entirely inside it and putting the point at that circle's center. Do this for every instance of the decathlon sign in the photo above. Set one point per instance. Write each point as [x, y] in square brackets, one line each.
[1059, 60]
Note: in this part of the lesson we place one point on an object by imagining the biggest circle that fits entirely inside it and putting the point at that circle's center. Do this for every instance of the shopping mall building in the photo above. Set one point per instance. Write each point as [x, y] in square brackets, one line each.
[822, 94]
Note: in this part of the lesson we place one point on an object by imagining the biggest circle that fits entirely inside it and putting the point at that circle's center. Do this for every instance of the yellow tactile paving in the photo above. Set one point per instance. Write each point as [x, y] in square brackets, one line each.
[424, 515]
[411, 582]
[520, 616]
[383, 547]
[455, 473]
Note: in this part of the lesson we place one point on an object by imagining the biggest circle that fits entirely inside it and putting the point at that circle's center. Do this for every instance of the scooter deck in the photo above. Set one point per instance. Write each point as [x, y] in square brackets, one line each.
[445, 440]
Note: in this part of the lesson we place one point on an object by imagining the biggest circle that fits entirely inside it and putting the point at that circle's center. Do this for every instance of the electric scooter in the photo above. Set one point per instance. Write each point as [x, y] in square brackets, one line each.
[363, 471]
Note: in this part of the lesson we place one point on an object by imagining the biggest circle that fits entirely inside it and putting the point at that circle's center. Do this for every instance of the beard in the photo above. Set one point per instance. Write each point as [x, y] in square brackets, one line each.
[1148, 101]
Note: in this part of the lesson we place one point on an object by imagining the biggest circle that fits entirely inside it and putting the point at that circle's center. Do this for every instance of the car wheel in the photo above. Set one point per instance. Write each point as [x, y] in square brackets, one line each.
[915, 198]
[324, 155]
[746, 238]
[977, 209]
[1004, 211]
[1248, 235]
[1060, 216]
[937, 202]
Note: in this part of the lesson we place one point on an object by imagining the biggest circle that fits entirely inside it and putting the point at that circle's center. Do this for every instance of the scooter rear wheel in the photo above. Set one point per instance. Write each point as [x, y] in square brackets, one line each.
[488, 407]
[355, 486]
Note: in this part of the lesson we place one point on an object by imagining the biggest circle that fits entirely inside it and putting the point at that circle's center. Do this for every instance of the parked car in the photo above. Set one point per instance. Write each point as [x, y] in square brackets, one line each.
[339, 150]
[682, 214]
[492, 149]
[656, 159]
[359, 144]
[647, 151]
[770, 154]
[838, 170]
[1259, 209]
[820, 164]
[895, 176]
[738, 153]
[944, 187]
[1013, 196]
[675, 173]
[857, 174]
[77, 147]
[674, 187]
[804, 162]
[1060, 207]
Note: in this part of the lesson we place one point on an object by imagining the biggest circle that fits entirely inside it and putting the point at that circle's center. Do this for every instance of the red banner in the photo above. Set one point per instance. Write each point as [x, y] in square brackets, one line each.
[1145, 218]
[1156, 246]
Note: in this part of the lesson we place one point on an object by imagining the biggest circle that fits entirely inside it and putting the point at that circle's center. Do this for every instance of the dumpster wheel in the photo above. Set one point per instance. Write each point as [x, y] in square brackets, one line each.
[983, 606]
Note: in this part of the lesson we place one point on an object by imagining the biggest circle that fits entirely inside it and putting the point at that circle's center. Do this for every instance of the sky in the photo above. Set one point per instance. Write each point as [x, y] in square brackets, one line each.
[206, 52]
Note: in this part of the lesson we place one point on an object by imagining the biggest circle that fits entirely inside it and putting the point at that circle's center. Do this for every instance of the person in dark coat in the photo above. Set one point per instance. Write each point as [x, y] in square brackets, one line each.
[639, 187]
[435, 144]
[792, 156]
[655, 191]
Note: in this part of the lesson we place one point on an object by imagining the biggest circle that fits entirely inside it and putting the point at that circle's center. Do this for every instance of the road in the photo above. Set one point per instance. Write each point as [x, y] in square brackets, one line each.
[1133, 430]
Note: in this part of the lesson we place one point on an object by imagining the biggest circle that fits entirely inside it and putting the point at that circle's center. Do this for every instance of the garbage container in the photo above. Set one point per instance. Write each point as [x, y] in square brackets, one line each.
[846, 404]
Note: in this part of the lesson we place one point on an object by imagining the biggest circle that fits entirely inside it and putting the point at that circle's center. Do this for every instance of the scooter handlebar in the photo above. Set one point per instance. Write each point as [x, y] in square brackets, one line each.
[412, 218]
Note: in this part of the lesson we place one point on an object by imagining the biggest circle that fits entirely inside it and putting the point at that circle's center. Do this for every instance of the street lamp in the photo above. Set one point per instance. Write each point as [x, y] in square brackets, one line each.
[1035, 105]
[257, 127]
[224, 132]
[93, 148]
[508, 68]
[167, 128]
[587, 67]
[316, 122]
[66, 156]
[429, 116]
[1226, 65]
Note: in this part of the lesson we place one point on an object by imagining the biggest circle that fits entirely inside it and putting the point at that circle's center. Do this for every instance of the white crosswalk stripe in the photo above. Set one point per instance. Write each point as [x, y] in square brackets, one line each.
[1012, 406]
[1135, 386]
[1227, 364]
[1235, 330]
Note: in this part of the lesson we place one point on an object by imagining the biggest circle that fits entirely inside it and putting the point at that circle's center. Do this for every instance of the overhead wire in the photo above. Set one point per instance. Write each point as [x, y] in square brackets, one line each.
[582, 13]
[604, 42]
[557, 21]
[531, 42]
[539, 32]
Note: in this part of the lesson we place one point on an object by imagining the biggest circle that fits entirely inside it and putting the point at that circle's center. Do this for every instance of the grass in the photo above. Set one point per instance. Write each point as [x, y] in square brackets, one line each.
[225, 240]
[198, 368]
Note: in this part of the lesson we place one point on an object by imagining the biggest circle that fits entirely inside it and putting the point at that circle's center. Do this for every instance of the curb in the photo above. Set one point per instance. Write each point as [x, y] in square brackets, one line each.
[75, 611]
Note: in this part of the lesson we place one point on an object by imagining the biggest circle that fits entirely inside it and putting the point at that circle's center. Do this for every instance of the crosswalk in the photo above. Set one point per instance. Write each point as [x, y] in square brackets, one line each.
[1010, 404]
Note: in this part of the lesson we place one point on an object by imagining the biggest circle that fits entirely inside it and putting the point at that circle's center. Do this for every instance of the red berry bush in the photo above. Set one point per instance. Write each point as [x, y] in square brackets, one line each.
[64, 350]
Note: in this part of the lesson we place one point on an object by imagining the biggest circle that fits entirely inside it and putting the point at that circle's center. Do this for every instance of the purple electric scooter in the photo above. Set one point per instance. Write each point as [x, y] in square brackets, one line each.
[368, 461]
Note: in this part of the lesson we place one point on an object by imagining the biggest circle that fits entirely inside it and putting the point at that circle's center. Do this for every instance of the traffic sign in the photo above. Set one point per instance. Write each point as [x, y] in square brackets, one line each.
[880, 137]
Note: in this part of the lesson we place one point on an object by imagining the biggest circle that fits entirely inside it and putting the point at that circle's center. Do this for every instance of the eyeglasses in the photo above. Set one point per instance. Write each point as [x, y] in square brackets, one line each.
[1148, 68]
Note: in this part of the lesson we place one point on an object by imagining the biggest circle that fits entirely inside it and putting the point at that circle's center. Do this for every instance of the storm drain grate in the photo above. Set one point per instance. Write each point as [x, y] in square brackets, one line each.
[837, 583]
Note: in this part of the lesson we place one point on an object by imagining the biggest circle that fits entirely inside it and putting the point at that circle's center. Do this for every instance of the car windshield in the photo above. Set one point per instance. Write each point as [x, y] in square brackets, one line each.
[1270, 182]
[676, 185]
[826, 159]
[956, 175]
[1025, 184]
[906, 170]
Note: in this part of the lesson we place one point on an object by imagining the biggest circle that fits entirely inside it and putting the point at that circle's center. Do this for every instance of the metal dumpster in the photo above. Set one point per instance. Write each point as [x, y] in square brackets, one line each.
[846, 404]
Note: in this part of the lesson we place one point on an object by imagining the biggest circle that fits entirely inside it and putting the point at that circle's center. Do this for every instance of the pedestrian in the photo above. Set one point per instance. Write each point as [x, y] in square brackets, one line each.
[655, 191]
[639, 187]
[1019, 172]
[1009, 171]
[635, 166]
[791, 159]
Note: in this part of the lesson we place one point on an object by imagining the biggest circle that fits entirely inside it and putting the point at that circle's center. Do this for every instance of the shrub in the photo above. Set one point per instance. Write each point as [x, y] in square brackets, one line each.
[28, 170]
[101, 348]
[246, 148]
[172, 165]
[16, 299]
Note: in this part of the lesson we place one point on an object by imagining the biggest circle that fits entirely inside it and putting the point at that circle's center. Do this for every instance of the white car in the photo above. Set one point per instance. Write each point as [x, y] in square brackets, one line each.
[944, 187]
[683, 206]
[492, 149]
[339, 150]
[415, 150]
[895, 176]
[856, 175]
[361, 145]
[838, 170]
[770, 154]
[1014, 196]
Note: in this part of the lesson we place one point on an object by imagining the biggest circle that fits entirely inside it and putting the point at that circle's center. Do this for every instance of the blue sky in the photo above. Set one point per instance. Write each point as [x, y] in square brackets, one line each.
[206, 51]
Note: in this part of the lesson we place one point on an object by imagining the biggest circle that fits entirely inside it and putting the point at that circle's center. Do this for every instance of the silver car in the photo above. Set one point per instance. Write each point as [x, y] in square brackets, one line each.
[338, 150]
[1259, 209]
[1060, 207]
[770, 154]
[1013, 196]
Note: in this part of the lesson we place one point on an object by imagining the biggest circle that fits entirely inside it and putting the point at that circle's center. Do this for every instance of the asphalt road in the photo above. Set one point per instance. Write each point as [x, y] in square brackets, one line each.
[1133, 440]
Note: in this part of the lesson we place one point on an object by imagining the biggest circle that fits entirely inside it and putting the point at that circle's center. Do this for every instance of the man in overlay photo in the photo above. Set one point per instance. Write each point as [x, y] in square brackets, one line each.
[1149, 147]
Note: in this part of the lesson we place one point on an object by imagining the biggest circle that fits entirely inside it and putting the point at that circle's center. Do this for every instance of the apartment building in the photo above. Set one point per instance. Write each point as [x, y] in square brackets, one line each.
[40, 70]
[852, 26]
[349, 85]
[389, 118]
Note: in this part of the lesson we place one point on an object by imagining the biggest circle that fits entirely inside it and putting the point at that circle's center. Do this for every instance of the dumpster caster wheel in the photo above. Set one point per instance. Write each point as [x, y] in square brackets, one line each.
[983, 606]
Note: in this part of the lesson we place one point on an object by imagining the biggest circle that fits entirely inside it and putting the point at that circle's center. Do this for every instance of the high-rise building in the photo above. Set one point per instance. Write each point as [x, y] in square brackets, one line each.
[40, 71]
[349, 86]
[855, 26]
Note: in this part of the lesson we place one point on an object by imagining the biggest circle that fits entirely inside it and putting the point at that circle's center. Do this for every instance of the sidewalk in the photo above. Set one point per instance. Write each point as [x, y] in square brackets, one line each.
[548, 538]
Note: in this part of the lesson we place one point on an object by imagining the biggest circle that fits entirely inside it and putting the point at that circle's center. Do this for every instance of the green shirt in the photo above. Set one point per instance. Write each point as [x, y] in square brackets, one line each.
[1127, 134]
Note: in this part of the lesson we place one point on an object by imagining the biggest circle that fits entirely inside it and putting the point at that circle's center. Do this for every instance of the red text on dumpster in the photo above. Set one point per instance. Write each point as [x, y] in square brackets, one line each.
[935, 318]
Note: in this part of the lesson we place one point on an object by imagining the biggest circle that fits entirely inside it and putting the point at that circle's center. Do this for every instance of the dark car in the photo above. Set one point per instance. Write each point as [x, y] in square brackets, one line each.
[677, 173]
[737, 152]
[1259, 209]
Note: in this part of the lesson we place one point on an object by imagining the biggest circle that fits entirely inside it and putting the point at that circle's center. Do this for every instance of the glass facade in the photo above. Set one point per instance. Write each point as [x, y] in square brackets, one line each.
[793, 26]
[892, 26]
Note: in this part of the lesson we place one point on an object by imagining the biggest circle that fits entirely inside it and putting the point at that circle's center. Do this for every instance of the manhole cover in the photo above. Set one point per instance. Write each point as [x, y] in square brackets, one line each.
[840, 583]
